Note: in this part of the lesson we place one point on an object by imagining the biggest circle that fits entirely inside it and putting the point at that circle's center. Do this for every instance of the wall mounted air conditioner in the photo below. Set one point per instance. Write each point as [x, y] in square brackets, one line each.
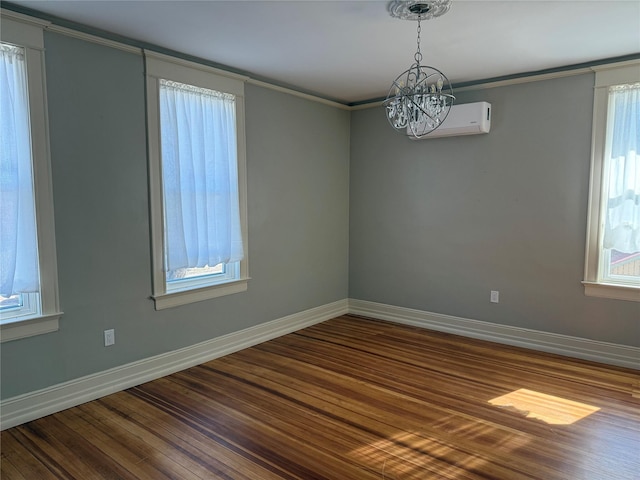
[464, 119]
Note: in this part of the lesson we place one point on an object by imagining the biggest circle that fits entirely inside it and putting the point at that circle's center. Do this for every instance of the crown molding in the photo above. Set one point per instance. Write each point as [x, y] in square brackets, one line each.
[70, 32]
[20, 17]
[296, 93]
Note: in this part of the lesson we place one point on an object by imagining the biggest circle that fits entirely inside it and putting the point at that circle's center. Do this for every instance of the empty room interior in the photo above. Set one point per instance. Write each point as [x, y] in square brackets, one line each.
[333, 240]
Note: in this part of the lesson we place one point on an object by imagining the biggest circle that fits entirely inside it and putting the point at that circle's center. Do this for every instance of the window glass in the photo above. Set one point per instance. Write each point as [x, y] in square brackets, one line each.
[621, 206]
[200, 184]
[19, 271]
[612, 260]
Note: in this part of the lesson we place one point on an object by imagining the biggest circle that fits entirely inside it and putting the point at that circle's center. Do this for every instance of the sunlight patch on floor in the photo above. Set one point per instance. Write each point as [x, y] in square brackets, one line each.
[548, 408]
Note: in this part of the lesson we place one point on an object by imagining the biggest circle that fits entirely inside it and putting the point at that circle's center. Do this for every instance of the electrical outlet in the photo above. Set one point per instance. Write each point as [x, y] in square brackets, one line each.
[495, 296]
[109, 337]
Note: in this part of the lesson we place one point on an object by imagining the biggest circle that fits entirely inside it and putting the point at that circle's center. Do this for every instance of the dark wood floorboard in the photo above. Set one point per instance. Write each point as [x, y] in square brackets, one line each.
[350, 399]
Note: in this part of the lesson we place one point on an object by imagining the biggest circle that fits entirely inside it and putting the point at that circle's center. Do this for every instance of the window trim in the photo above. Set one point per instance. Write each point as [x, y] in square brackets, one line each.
[594, 285]
[159, 66]
[22, 31]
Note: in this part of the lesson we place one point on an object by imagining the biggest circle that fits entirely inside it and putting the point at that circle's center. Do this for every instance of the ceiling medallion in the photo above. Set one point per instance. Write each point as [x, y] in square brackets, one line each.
[418, 10]
[420, 98]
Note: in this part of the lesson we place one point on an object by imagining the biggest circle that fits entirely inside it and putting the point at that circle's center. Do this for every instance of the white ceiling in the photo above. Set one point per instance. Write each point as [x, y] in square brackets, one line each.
[350, 51]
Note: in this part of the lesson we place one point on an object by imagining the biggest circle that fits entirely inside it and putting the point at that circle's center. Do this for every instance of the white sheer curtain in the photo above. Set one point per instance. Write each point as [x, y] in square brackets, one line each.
[622, 226]
[200, 178]
[18, 241]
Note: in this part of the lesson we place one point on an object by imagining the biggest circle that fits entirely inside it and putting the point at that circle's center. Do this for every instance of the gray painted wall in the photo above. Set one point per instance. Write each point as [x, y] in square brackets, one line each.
[436, 224]
[297, 160]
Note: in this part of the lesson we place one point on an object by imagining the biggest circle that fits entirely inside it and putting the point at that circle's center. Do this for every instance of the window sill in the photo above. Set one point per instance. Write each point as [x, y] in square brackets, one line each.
[23, 328]
[175, 299]
[608, 290]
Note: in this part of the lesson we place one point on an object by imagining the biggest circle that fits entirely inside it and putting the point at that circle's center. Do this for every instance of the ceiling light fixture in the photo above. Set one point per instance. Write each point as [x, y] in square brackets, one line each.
[419, 98]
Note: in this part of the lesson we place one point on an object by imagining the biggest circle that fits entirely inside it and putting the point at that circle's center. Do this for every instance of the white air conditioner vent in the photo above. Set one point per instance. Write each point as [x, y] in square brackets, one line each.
[464, 119]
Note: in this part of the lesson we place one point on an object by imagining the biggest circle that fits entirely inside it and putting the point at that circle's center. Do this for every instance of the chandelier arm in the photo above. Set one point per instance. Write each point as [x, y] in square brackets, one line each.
[396, 85]
[422, 80]
[426, 76]
[419, 107]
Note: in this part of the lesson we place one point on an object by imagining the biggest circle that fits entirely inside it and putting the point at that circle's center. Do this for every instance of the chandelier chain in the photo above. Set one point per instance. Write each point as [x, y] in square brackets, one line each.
[418, 55]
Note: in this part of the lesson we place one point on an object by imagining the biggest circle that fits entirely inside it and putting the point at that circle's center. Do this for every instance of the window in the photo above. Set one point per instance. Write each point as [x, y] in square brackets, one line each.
[197, 178]
[28, 272]
[612, 266]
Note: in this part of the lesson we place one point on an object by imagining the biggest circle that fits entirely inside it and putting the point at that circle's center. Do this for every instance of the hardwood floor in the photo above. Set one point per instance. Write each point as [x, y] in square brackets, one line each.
[350, 398]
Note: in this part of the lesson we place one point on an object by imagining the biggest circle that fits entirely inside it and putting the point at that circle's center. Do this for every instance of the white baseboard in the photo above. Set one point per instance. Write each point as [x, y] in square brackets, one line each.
[603, 352]
[30, 406]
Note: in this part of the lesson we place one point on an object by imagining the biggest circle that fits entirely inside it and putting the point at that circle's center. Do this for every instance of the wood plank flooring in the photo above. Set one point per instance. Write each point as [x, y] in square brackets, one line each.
[350, 399]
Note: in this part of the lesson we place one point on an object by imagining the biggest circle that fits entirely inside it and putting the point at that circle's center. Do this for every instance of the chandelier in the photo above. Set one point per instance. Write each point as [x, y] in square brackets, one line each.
[419, 98]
